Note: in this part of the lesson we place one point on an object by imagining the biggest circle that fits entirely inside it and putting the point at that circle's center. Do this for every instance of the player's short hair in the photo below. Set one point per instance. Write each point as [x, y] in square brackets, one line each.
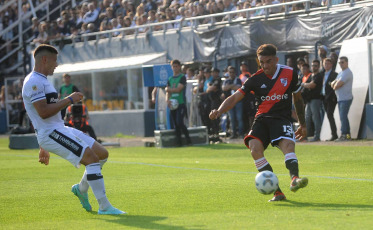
[328, 59]
[66, 75]
[317, 61]
[175, 61]
[266, 50]
[344, 58]
[45, 48]
[306, 65]
[231, 68]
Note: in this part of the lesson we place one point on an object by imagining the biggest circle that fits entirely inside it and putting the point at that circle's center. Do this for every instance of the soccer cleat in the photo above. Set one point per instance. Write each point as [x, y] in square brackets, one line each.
[111, 211]
[298, 183]
[83, 197]
[279, 196]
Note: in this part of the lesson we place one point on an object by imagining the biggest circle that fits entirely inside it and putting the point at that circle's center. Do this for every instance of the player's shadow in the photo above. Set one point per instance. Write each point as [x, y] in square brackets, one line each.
[329, 206]
[147, 222]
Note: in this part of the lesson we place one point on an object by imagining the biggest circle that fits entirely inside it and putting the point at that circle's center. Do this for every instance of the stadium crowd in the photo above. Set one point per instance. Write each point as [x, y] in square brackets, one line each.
[102, 15]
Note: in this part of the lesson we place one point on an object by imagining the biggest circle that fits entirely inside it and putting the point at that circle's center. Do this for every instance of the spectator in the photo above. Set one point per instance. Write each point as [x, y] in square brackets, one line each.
[43, 34]
[230, 85]
[214, 92]
[334, 58]
[152, 17]
[150, 5]
[248, 102]
[228, 6]
[35, 27]
[115, 26]
[67, 24]
[300, 63]
[312, 90]
[343, 89]
[66, 89]
[92, 15]
[322, 52]
[189, 74]
[329, 97]
[122, 10]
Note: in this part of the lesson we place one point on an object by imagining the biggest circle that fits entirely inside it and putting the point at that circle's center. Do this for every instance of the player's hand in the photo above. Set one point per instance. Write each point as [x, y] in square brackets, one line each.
[44, 156]
[76, 96]
[168, 103]
[301, 132]
[214, 114]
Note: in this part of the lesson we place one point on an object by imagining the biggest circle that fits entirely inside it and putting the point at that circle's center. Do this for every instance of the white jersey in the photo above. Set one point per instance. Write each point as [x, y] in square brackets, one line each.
[36, 87]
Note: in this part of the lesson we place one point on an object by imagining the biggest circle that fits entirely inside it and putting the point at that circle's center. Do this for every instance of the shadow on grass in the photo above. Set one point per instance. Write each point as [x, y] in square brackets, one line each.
[329, 206]
[147, 222]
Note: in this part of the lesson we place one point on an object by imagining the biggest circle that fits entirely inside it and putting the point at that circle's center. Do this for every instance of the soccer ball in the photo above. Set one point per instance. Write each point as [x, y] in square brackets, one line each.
[174, 104]
[266, 182]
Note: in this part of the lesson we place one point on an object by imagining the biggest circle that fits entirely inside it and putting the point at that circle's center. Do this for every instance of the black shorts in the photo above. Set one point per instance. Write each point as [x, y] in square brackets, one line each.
[270, 130]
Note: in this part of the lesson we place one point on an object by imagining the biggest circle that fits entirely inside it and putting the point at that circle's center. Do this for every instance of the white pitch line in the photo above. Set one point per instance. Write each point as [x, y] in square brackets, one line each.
[209, 170]
[231, 171]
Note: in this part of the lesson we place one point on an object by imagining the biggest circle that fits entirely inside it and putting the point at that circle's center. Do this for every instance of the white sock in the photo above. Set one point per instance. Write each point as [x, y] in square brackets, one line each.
[83, 185]
[102, 162]
[96, 181]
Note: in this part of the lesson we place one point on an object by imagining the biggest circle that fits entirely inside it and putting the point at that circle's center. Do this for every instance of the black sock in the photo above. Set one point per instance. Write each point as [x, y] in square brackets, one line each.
[292, 165]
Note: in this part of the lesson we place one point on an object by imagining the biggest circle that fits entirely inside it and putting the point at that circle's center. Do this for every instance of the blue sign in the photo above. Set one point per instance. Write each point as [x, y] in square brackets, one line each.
[157, 75]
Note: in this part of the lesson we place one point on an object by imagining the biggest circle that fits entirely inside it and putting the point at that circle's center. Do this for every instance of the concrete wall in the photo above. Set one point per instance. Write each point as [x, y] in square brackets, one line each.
[130, 122]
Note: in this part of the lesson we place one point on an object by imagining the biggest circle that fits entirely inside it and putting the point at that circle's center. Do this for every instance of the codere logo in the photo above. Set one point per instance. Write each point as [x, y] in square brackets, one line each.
[274, 97]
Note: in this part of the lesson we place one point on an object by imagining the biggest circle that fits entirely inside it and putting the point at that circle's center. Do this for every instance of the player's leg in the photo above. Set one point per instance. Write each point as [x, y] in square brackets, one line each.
[291, 161]
[102, 154]
[257, 141]
[96, 182]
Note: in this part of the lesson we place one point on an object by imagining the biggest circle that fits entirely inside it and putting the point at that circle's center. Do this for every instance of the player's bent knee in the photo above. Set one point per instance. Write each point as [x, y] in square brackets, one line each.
[100, 151]
[89, 157]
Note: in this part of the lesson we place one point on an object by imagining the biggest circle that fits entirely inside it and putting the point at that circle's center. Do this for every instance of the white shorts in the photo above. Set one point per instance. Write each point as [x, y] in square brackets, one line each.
[68, 143]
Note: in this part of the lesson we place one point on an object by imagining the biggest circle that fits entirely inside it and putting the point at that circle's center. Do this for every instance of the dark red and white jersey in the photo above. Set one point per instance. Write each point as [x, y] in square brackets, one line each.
[273, 94]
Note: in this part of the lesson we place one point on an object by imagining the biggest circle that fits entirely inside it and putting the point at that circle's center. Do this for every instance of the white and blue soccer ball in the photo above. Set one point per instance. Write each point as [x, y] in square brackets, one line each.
[174, 104]
[266, 182]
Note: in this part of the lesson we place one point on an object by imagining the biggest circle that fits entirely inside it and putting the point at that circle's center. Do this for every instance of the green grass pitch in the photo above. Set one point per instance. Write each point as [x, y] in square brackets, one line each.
[206, 187]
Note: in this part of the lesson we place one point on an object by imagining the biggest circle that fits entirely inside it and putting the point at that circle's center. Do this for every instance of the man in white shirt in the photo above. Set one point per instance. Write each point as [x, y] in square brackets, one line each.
[43, 107]
[343, 89]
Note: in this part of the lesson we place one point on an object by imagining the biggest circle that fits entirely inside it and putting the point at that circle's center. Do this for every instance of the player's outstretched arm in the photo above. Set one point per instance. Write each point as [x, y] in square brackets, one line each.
[227, 105]
[301, 132]
[44, 156]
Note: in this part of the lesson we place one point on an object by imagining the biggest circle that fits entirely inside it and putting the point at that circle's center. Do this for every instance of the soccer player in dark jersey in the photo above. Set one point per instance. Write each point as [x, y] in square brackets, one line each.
[273, 86]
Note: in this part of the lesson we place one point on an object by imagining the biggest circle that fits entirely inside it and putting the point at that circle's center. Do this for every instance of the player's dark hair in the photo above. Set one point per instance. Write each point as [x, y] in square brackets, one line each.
[317, 61]
[45, 47]
[266, 50]
[344, 58]
[231, 68]
[328, 59]
[306, 65]
[175, 61]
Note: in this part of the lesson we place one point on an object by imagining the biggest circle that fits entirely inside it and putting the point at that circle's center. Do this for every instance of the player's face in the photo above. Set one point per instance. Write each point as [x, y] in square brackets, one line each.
[51, 63]
[268, 64]
[328, 65]
[176, 68]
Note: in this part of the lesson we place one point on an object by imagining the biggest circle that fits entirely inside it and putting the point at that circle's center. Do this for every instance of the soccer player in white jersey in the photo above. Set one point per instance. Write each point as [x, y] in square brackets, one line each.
[43, 107]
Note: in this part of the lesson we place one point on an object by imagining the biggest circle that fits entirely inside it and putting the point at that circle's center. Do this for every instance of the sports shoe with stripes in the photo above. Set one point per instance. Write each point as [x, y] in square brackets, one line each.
[298, 183]
[278, 196]
[83, 197]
